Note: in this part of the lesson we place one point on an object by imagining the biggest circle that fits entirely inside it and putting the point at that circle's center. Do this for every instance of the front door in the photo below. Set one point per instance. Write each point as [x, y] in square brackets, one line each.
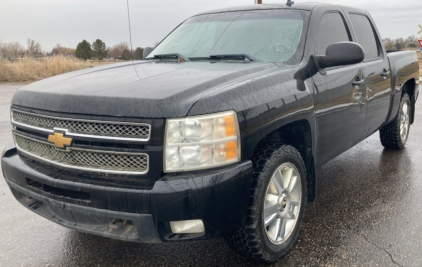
[339, 95]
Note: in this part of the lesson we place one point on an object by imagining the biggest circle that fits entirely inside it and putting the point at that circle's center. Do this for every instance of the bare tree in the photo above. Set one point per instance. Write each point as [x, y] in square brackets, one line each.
[57, 50]
[123, 45]
[64, 51]
[401, 42]
[15, 50]
[3, 50]
[411, 39]
[34, 49]
[387, 40]
[117, 50]
[114, 52]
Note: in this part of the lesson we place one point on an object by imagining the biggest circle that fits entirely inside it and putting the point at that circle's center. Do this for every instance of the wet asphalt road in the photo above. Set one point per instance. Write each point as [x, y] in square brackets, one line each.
[368, 212]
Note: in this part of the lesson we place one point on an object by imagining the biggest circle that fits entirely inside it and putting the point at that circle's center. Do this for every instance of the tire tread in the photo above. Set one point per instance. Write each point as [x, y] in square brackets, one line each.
[390, 134]
[247, 242]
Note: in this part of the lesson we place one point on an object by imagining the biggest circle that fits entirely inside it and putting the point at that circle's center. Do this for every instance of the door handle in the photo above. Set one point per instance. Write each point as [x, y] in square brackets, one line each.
[358, 82]
[385, 73]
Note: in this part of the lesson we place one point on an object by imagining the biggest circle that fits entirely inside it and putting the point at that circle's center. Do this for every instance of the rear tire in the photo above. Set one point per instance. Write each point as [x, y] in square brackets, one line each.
[276, 206]
[394, 135]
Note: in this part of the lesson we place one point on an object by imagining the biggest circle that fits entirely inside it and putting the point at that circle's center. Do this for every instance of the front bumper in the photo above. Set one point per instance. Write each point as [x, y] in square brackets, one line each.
[218, 197]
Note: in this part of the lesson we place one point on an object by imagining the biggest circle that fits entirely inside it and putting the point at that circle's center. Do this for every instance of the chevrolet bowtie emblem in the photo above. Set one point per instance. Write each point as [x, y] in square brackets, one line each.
[59, 140]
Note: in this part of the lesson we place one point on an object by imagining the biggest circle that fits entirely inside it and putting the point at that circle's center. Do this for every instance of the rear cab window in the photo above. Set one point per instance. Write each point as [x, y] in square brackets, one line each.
[365, 35]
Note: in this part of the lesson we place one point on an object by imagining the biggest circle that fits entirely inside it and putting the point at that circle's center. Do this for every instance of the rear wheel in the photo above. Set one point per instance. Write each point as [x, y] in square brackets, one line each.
[277, 205]
[395, 134]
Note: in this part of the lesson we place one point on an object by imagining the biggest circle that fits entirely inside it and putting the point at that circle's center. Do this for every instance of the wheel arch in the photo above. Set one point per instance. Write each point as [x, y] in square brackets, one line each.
[409, 88]
[299, 135]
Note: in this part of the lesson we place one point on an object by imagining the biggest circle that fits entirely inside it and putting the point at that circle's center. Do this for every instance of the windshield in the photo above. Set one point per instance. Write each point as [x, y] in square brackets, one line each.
[269, 35]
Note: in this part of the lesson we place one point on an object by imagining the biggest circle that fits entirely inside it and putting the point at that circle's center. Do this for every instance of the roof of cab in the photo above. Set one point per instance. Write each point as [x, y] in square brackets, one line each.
[300, 6]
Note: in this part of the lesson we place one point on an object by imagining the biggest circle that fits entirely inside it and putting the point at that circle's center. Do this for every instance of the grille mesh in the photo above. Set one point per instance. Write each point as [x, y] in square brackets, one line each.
[85, 127]
[136, 163]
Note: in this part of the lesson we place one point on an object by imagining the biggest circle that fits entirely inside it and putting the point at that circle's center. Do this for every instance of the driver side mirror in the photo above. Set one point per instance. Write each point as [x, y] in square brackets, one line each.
[341, 54]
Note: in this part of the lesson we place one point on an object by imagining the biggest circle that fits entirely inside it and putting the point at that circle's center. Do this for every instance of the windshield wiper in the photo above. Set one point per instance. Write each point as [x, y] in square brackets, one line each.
[234, 56]
[180, 57]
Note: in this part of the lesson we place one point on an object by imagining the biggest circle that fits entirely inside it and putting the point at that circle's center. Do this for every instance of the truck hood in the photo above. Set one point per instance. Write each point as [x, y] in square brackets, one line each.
[142, 89]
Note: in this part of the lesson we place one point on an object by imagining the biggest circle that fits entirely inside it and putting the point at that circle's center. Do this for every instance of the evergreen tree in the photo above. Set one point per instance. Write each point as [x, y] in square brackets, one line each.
[126, 54]
[99, 49]
[83, 50]
[139, 53]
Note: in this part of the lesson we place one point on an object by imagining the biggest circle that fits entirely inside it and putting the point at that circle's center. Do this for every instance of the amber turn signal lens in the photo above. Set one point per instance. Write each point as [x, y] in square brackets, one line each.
[230, 126]
[231, 150]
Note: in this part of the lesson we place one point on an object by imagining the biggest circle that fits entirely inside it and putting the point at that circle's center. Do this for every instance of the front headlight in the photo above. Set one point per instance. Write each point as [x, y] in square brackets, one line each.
[201, 142]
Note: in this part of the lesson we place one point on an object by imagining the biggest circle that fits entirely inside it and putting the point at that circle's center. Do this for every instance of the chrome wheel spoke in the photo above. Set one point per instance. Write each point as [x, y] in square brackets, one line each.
[293, 183]
[287, 177]
[277, 181]
[274, 229]
[271, 199]
[270, 213]
[282, 230]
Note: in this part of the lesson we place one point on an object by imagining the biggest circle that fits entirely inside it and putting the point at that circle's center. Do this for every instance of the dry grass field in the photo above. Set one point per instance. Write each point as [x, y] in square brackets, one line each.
[30, 70]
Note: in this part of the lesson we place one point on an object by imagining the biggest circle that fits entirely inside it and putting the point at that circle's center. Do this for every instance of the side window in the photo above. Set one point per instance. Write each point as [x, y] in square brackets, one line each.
[365, 35]
[331, 30]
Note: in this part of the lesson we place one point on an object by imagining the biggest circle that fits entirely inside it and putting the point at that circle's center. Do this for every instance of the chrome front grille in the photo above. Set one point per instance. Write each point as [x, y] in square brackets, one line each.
[97, 129]
[83, 159]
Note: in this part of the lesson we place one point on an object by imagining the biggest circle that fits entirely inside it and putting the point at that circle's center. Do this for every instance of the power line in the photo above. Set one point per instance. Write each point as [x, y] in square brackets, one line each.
[130, 33]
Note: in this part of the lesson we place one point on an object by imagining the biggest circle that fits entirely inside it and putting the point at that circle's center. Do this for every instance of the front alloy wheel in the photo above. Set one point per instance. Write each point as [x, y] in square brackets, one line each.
[277, 205]
[282, 203]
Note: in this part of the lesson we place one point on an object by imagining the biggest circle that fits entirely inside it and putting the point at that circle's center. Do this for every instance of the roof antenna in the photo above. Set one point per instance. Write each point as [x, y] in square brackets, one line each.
[289, 3]
[130, 33]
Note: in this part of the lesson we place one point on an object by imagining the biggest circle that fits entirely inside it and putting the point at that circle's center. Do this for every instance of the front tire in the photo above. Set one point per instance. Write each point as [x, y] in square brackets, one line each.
[277, 205]
[394, 135]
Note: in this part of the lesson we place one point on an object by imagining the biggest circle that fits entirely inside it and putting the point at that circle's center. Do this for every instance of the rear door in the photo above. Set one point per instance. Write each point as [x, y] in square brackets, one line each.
[339, 94]
[376, 72]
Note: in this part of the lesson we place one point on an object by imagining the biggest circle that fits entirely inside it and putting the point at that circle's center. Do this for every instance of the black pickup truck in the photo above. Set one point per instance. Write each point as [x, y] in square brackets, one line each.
[217, 132]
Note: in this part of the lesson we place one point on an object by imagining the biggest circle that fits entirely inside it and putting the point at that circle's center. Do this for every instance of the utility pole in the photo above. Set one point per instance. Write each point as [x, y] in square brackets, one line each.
[258, 2]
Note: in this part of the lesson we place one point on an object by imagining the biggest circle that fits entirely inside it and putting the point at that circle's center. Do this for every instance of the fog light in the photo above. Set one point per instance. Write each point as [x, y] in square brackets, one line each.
[187, 227]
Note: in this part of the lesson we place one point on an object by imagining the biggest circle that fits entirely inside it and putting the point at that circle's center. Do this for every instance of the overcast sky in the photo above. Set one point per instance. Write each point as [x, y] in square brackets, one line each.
[68, 22]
